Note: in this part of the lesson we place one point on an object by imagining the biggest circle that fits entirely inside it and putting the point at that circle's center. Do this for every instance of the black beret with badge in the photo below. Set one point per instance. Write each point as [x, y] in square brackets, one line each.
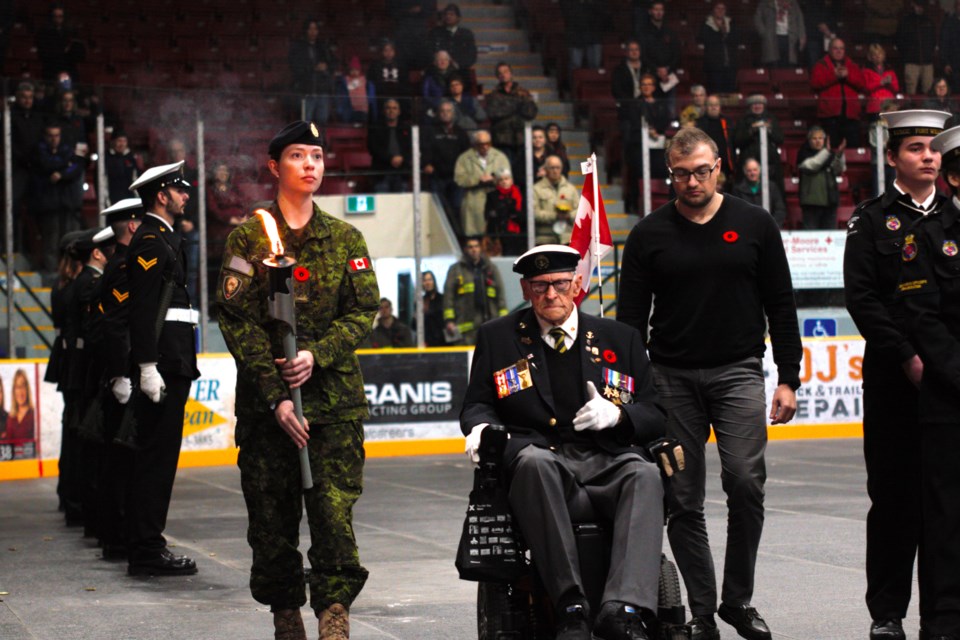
[299, 132]
[547, 258]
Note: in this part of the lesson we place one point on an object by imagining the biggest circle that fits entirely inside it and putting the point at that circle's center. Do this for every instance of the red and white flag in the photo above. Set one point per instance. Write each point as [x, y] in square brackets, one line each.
[591, 233]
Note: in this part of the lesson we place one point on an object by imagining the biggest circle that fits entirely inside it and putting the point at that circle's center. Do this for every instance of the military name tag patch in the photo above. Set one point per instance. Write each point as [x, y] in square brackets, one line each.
[359, 264]
[909, 248]
[238, 264]
[949, 248]
[892, 223]
[513, 379]
[231, 286]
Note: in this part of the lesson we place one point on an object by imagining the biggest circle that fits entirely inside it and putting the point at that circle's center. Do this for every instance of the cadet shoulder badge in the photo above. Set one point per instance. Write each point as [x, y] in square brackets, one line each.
[949, 248]
[892, 223]
[231, 286]
[909, 248]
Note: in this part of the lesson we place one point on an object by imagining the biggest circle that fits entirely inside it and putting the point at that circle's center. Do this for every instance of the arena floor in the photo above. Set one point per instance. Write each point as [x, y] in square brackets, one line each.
[55, 586]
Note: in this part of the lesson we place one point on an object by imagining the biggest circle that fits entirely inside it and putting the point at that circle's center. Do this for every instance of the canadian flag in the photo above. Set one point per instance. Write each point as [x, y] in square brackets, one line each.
[591, 233]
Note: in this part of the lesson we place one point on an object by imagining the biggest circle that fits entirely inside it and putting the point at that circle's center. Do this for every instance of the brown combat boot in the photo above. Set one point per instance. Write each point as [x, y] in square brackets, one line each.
[335, 623]
[288, 625]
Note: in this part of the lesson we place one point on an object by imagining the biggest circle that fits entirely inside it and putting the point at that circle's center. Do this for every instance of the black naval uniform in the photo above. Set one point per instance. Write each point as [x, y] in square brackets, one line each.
[156, 254]
[930, 292]
[891, 446]
[539, 418]
[68, 483]
[90, 364]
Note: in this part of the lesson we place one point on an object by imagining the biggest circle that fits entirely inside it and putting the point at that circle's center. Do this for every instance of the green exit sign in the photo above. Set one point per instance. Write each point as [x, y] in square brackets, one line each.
[361, 204]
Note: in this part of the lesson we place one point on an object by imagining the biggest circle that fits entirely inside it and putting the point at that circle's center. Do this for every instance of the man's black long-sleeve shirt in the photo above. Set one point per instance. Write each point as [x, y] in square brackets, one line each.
[710, 286]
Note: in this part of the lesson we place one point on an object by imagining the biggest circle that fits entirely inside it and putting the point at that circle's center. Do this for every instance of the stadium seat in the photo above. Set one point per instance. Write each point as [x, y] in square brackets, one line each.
[753, 81]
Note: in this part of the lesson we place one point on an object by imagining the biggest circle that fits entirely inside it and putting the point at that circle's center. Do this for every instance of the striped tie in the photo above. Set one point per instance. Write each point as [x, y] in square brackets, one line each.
[558, 336]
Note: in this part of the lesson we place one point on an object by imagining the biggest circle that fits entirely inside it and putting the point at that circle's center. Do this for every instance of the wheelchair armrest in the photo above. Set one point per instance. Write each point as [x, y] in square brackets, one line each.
[493, 442]
[668, 454]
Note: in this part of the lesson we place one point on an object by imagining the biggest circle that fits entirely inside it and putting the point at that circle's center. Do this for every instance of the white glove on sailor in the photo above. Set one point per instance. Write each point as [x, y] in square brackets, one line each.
[151, 382]
[121, 389]
[472, 448]
[597, 414]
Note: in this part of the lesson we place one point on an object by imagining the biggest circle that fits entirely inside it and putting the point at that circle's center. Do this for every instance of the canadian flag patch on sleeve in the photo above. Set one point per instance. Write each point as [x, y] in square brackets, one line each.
[359, 264]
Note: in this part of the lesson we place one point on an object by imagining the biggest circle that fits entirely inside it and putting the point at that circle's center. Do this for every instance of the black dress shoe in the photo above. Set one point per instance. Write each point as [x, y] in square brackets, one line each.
[572, 623]
[166, 564]
[890, 629]
[619, 621]
[746, 621]
[703, 628]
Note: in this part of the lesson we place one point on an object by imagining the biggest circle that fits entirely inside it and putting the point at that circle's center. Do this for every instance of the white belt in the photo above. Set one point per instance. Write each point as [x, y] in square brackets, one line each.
[191, 316]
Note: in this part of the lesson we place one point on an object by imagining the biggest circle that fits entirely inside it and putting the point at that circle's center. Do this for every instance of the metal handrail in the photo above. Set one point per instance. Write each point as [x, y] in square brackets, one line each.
[23, 313]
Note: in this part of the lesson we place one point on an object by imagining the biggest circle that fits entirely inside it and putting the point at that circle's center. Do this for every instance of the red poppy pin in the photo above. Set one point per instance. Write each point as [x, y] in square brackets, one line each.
[609, 356]
[730, 236]
[301, 274]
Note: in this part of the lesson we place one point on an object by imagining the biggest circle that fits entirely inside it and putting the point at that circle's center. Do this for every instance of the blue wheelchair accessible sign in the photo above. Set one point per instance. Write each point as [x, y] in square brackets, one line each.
[819, 327]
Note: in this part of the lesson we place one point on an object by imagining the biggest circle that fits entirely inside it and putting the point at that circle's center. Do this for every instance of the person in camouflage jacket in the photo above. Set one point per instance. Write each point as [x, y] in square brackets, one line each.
[473, 293]
[336, 298]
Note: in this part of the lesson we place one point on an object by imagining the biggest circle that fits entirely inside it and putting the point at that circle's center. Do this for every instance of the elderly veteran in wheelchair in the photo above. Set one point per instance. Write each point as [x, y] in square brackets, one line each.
[576, 396]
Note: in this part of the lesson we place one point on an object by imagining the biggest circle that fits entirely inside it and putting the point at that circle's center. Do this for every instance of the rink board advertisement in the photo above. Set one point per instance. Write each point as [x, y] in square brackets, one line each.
[414, 396]
[816, 258]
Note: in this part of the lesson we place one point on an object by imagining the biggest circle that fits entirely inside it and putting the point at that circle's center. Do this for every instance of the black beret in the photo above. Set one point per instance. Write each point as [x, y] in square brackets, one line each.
[68, 239]
[84, 244]
[299, 132]
[547, 258]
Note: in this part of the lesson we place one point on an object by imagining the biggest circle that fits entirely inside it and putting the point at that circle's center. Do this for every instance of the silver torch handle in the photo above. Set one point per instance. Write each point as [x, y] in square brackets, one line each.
[290, 351]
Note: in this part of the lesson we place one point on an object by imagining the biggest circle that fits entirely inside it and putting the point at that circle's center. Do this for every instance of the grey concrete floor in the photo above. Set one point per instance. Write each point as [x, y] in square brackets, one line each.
[55, 586]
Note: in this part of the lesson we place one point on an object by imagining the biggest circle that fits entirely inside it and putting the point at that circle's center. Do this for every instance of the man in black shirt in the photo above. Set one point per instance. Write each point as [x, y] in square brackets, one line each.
[717, 270]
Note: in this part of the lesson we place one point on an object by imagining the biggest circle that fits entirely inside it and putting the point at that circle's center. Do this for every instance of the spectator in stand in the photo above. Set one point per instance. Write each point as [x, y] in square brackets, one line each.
[468, 111]
[625, 86]
[389, 77]
[538, 142]
[657, 117]
[70, 121]
[820, 18]
[660, 43]
[432, 312]
[388, 332]
[720, 61]
[783, 33]
[588, 21]
[881, 18]
[58, 47]
[557, 147]
[667, 82]
[916, 41]
[879, 80]
[715, 125]
[122, 166]
[26, 125]
[746, 137]
[750, 188]
[225, 207]
[697, 107]
[356, 96]
[819, 167]
[506, 218]
[442, 144]
[389, 144]
[555, 205]
[474, 173]
[312, 65]
[410, 18]
[435, 81]
[940, 99]
[457, 41]
[510, 107]
[838, 80]
[950, 46]
[57, 193]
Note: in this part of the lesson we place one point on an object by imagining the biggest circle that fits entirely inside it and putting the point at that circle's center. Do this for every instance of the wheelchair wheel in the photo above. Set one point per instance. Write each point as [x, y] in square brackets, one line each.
[671, 613]
[502, 613]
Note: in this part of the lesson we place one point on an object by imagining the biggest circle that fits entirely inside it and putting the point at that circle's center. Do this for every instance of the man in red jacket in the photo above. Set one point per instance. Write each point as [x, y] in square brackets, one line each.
[839, 81]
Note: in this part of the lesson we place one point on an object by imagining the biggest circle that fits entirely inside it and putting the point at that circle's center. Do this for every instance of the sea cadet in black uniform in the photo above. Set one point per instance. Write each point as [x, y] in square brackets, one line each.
[123, 219]
[577, 398]
[891, 366]
[163, 362]
[930, 292]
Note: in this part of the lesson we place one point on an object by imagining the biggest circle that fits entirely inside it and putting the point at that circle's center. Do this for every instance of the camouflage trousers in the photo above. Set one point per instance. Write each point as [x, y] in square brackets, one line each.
[270, 478]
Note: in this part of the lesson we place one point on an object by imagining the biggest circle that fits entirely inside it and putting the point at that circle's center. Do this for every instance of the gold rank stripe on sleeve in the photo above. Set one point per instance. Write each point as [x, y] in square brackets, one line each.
[913, 285]
[146, 264]
[120, 296]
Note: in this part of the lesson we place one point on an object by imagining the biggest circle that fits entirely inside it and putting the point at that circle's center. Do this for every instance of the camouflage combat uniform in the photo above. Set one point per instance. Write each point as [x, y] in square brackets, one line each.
[473, 295]
[337, 298]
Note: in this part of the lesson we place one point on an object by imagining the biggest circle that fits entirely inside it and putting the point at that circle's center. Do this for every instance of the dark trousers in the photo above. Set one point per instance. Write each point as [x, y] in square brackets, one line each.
[70, 484]
[940, 548]
[842, 128]
[819, 217]
[114, 476]
[550, 490]
[159, 435]
[891, 452]
[731, 398]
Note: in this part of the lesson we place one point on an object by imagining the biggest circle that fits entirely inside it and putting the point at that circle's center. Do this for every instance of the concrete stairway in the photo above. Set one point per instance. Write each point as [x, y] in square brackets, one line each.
[27, 342]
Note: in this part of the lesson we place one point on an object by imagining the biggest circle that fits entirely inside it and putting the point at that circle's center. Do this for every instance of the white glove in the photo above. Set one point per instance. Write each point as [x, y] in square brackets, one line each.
[121, 389]
[151, 382]
[598, 414]
[472, 448]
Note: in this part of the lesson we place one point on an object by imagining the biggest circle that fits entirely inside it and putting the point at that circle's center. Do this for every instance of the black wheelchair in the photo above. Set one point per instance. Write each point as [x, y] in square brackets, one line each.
[521, 610]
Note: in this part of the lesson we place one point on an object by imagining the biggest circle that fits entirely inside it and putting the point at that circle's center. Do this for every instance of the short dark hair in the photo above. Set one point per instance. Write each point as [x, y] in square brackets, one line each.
[687, 140]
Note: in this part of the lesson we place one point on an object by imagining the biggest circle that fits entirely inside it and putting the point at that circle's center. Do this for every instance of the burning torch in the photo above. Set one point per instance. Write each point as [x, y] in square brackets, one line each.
[282, 309]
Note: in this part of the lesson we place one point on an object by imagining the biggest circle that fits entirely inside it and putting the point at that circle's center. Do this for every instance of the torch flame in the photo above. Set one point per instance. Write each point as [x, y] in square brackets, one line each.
[270, 227]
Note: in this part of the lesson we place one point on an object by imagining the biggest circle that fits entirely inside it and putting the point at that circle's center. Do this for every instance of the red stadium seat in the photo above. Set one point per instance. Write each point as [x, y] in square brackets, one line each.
[753, 81]
[791, 82]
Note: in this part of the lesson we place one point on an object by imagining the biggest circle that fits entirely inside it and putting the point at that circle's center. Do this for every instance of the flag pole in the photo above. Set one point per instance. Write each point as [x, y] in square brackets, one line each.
[595, 232]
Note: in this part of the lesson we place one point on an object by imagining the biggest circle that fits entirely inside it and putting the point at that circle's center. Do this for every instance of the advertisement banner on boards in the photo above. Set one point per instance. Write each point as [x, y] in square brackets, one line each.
[816, 258]
[19, 402]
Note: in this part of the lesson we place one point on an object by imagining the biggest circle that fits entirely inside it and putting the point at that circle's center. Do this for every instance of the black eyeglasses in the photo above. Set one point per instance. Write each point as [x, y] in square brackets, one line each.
[700, 173]
[540, 287]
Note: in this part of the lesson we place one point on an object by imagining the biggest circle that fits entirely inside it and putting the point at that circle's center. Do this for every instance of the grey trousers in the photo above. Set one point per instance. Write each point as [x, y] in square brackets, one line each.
[731, 399]
[549, 490]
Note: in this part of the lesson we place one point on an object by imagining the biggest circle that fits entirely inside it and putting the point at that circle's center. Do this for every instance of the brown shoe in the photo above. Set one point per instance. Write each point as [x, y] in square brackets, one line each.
[288, 625]
[335, 623]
